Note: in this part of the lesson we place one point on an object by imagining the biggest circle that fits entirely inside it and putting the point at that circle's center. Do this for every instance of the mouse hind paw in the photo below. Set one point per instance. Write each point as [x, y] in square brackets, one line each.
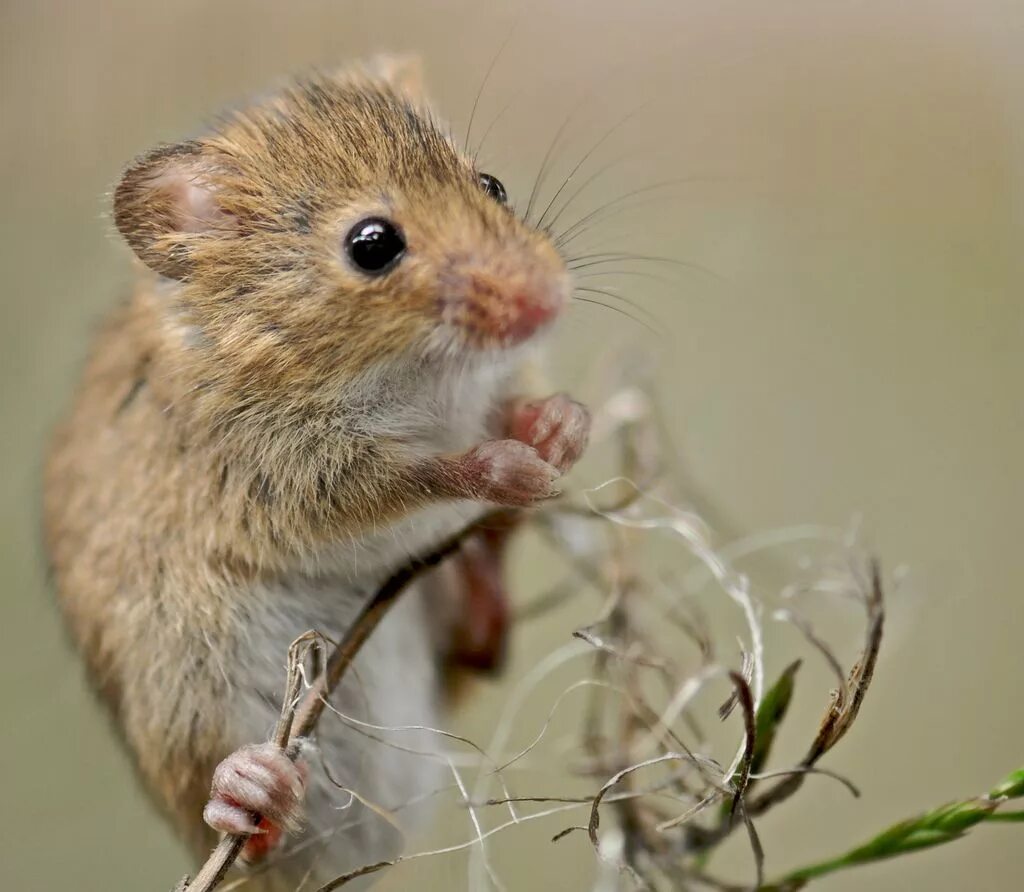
[257, 790]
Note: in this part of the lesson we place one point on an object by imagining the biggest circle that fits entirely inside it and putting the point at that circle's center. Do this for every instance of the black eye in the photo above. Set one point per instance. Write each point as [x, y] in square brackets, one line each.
[493, 187]
[374, 245]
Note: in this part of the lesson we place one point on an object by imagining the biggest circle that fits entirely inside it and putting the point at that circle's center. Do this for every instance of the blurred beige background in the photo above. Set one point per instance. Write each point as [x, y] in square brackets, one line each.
[856, 177]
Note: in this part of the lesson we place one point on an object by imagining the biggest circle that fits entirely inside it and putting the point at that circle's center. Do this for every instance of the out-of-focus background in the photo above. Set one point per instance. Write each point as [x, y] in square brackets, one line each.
[851, 178]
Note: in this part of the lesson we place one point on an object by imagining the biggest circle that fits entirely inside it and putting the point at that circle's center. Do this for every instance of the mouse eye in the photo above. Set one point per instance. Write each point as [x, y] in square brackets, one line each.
[493, 187]
[374, 245]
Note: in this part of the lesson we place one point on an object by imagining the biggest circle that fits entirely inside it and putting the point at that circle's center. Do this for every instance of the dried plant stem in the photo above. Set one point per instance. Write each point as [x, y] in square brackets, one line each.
[299, 719]
[838, 719]
[230, 847]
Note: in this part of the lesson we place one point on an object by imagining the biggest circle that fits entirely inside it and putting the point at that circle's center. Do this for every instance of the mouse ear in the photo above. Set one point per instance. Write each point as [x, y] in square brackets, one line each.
[166, 203]
[403, 73]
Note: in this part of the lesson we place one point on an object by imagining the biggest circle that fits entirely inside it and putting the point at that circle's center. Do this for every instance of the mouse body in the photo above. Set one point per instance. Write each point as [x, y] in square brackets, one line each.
[318, 376]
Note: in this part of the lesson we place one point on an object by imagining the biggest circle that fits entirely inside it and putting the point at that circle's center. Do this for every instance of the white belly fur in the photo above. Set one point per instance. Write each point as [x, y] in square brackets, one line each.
[394, 680]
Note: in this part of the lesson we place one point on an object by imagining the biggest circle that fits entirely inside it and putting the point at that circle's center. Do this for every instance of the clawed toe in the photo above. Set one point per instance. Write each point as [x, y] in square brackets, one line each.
[255, 780]
[557, 427]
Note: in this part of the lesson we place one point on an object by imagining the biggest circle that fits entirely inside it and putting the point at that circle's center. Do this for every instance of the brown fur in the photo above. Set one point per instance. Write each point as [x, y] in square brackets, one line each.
[217, 438]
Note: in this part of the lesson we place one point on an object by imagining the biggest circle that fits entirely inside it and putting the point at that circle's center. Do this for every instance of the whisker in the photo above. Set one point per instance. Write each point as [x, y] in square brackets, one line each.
[543, 172]
[483, 83]
[604, 138]
[491, 126]
[614, 295]
[590, 179]
[570, 232]
[647, 258]
[615, 309]
[627, 157]
[586, 98]
[632, 273]
[598, 87]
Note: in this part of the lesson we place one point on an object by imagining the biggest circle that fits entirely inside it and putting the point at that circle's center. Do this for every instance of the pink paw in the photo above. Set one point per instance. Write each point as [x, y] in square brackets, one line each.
[557, 427]
[509, 472]
[256, 780]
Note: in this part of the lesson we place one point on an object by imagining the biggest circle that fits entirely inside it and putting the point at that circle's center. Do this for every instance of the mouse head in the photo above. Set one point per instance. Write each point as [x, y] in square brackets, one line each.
[333, 227]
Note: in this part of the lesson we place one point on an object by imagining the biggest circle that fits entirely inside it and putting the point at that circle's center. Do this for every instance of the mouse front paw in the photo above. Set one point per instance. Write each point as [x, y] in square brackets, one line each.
[256, 781]
[558, 427]
[509, 472]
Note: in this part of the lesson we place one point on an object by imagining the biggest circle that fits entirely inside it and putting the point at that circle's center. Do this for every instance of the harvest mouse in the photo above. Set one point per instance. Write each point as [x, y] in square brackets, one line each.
[320, 374]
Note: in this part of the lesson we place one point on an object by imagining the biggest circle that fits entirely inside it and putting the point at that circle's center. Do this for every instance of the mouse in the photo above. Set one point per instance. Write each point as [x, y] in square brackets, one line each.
[328, 363]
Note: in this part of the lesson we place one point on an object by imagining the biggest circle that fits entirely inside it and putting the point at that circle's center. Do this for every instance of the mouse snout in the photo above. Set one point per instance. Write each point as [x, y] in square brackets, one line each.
[502, 303]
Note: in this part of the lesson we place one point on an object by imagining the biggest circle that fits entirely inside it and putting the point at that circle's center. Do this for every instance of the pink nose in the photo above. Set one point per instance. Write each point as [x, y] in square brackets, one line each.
[489, 309]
